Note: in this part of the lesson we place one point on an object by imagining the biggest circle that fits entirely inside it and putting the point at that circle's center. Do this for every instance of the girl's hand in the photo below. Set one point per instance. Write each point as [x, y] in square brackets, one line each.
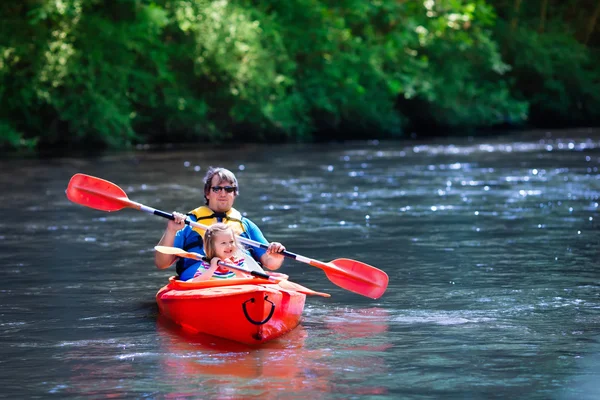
[220, 268]
[207, 274]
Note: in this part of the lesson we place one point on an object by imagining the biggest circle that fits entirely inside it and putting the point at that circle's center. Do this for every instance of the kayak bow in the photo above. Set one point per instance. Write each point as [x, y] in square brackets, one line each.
[246, 310]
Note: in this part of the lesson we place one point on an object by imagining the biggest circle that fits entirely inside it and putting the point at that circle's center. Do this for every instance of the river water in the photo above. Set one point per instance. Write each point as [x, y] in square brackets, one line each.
[491, 246]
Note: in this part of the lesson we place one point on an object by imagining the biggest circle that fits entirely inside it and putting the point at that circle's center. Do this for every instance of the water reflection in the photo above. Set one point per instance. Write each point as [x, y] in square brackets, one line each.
[363, 343]
[208, 366]
[204, 365]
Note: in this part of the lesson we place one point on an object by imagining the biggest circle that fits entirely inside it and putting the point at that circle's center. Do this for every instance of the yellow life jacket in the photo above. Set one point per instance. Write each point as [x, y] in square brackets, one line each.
[206, 216]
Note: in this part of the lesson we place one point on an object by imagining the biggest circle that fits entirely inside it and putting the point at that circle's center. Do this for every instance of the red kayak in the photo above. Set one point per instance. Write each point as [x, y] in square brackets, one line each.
[245, 310]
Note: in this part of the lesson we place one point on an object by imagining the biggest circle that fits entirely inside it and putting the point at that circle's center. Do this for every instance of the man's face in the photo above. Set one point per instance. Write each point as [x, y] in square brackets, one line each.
[220, 201]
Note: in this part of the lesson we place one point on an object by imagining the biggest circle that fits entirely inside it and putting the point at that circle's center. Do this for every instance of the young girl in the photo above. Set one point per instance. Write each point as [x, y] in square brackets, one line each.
[220, 244]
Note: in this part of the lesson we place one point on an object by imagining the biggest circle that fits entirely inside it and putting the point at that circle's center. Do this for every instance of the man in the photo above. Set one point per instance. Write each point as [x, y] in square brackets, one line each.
[220, 191]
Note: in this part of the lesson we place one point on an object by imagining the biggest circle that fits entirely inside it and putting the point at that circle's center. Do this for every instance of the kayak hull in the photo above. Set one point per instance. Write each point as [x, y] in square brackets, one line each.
[250, 311]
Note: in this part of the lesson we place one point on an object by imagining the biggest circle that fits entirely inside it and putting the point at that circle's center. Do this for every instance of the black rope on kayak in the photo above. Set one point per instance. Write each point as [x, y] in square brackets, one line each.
[258, 322]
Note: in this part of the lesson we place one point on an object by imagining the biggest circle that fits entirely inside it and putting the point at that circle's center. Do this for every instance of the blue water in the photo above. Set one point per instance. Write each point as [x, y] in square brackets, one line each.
[491, 246]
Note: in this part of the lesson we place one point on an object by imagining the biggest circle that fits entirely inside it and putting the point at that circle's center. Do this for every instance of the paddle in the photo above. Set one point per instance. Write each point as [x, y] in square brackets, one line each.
[284, 283]
[351, 275]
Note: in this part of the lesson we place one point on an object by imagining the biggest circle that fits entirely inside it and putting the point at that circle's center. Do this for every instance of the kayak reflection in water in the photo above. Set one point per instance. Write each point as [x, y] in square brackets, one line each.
[220, 191]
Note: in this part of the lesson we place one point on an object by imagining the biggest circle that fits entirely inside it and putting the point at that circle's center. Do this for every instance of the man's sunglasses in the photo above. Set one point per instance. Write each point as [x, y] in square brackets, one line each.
[228, 189]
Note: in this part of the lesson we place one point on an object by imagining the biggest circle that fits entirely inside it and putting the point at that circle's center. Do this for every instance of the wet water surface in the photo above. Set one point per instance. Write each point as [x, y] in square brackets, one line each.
[491, 246]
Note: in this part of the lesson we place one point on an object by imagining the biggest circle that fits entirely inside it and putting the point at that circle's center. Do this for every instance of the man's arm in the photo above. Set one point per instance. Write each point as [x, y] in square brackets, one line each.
[272, 257]
[162, 260]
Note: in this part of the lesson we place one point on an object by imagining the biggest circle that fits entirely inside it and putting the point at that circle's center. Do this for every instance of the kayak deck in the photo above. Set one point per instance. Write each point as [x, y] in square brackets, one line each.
[250, 311]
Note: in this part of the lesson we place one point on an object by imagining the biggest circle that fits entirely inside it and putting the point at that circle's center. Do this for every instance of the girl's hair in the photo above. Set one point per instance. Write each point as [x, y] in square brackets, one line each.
[209, 238]
[224, 175]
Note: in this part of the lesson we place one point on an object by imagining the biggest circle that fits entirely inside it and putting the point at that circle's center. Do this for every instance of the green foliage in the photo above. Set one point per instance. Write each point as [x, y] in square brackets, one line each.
[557, 75]
[120, 72]
[462, 82]
[236, 65]
[10, 138]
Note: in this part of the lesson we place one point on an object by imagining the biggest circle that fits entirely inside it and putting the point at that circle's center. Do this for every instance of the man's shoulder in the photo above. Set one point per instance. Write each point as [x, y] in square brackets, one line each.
[248, 222]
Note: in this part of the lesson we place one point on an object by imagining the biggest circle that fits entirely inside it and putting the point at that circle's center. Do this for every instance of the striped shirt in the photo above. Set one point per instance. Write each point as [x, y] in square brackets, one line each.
[220, 272]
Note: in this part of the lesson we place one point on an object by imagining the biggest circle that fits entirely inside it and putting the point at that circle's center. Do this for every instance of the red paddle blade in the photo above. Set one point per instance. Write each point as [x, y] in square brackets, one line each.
[96, 193]
[358, 277]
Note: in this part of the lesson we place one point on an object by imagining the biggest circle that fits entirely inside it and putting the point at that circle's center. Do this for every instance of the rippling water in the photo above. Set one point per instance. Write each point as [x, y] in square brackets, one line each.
[491, 246]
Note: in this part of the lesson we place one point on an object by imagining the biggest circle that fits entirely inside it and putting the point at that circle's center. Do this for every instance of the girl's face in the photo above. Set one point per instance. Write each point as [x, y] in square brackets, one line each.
[224, 244]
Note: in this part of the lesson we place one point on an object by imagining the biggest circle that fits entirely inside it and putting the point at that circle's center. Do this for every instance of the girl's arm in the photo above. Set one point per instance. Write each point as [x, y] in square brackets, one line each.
[204, 274]
[161, 260]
